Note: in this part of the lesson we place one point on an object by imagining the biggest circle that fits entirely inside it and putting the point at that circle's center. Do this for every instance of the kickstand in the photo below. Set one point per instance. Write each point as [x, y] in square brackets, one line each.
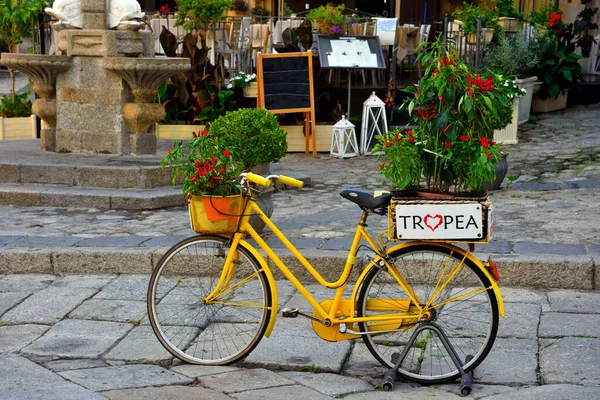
[466, 378]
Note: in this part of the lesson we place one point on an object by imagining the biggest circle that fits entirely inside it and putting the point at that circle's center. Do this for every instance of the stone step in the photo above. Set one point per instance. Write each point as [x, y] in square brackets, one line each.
[139, 255]
[89, 197]
[141, 174]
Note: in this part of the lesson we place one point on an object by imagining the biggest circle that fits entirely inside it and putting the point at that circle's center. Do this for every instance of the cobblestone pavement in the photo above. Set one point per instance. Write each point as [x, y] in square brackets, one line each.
[87, 336]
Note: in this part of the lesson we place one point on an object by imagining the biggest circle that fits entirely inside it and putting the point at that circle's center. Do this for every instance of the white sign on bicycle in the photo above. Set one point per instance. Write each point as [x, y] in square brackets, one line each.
[439, 221]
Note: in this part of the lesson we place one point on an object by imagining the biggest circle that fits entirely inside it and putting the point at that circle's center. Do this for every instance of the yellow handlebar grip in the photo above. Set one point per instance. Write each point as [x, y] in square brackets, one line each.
[286, 180]
[258, 179]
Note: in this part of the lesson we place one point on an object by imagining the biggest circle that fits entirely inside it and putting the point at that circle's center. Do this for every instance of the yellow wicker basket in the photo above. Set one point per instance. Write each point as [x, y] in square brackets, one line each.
[216, 214]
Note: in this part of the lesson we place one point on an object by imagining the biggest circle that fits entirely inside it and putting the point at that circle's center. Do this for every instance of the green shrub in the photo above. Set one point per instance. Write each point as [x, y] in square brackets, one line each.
[252, 134]
[21, 107]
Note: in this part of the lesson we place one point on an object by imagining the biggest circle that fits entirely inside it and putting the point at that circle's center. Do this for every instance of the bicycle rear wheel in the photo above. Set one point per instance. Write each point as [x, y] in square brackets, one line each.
[465, 308]
[198, 330]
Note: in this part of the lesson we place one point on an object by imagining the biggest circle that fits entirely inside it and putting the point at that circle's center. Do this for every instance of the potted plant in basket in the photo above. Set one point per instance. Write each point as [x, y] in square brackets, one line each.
[209, 172]
[454, 112]
[256, 139]
[515, 56]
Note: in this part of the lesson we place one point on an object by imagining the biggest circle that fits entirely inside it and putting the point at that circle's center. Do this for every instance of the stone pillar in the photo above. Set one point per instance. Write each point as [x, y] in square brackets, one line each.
[94, 14]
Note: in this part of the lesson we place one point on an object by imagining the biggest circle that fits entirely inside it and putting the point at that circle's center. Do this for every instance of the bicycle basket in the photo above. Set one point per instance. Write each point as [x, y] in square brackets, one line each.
[216, 214]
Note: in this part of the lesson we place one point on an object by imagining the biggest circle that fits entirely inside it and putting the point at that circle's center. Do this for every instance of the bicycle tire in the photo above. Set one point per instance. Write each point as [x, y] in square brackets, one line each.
[470, 323]
[221, 331]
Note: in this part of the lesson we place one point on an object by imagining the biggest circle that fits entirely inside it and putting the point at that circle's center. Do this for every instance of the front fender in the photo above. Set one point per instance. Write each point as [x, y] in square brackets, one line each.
[452, 247]
[270, 280]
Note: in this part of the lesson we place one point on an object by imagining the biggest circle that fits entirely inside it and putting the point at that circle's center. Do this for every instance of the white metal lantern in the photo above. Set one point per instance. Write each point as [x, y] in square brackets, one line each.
[343, 140]
[373, 121]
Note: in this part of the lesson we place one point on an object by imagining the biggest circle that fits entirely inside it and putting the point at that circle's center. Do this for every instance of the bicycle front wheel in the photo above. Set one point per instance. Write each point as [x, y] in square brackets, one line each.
[196, 319]
[457, 297]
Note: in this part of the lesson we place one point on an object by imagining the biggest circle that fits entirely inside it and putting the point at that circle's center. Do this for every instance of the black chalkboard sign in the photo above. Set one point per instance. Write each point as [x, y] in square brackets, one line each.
[285, 82]
[285, 85]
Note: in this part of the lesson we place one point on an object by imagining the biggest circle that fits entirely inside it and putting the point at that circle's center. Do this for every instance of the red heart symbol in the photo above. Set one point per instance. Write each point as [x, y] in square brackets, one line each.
[428, 218]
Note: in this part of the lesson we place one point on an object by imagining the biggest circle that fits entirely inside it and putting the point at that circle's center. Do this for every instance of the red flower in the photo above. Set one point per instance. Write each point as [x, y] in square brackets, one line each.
[554, 18]
[382, 166]
[446, 128]
[484, 142]
[194, 134]
[448, 144]
[465, 138]
[488, 155]
[168, 151]
[205, 133]
[408, 133]
[226, 153]
[388, 144]
[164, 10]
[397, 138]
[411, 140]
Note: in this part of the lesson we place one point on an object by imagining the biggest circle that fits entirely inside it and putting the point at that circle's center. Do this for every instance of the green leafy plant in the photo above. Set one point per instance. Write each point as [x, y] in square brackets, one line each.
[194, 14]
[454, 112]
[240, 5]
[469, 13]
[330, 19]
[208, 167]
[557, 67]
[198, 96]
[511, 55]
[17, 18]
[584, 27]
[506, 8]
[252, 134]
[15, 106]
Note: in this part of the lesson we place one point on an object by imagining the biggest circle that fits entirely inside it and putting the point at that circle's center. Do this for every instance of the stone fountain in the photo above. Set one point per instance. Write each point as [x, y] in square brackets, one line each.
[97, 94]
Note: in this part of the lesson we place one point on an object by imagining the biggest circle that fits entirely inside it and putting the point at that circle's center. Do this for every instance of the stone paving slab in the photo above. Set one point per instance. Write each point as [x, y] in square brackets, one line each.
[18, 372]
[78, 339]
[111, 310]
[520, 321]
[165, 393]
[125, 377]
[56, 391]
[293, 349]
[570, 360]
[244, 380]
[10, 299]
[46, 306]
[574, 301]
[407, 392]
[282, 392]
[25, 282]
[140, 345]
[494, 369]
[14, 337]
[563, 324]
[328, 384]
[551, 392]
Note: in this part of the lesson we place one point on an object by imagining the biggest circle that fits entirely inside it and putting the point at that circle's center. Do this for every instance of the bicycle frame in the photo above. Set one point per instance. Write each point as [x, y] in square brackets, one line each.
[328, 318]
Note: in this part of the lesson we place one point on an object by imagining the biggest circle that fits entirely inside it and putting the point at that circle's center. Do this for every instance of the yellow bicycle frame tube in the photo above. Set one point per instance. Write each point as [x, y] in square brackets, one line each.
[463, 253]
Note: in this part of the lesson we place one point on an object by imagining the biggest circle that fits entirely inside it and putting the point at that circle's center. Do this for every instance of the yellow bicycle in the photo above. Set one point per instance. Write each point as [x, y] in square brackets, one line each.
[426, 310]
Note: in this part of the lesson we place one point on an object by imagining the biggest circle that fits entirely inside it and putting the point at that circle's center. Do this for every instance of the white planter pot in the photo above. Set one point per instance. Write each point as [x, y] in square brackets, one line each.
[525, 101]
[508, 135]
[550, 104]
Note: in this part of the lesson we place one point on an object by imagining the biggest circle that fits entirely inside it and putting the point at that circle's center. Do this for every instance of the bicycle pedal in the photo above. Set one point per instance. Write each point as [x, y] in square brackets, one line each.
[289, 312]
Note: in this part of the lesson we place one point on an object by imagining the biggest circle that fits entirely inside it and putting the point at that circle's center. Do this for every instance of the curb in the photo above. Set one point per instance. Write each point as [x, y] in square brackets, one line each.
[540, 272]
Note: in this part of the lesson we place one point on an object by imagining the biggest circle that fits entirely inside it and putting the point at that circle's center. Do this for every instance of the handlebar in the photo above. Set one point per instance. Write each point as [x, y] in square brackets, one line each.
[266, 181]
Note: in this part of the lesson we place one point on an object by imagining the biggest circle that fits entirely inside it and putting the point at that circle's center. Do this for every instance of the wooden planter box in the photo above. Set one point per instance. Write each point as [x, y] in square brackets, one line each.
[18, 128]
[297, 142]
[183, 132]
[550, 104]
[508, 135]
